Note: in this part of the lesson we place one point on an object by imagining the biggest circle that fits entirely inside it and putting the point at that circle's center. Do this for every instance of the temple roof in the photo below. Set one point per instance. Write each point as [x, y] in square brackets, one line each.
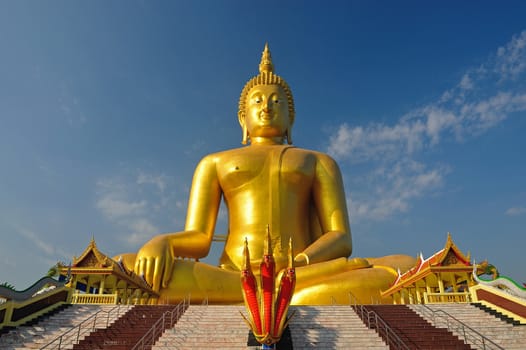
[93, 261]
[449, 258]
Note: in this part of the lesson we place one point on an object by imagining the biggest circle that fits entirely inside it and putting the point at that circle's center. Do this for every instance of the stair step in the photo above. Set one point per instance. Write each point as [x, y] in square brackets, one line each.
[310, 327]
[415, 331]
[48, 328]
[206, 327]
[506, 335]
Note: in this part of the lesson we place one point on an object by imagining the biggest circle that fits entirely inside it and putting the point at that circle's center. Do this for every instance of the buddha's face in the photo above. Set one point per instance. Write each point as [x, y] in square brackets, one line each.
[267, 111]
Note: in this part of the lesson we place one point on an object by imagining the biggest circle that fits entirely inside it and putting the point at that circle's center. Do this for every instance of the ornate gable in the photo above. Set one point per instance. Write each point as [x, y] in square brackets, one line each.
[89, 260]
[92, 257]
[450, 259]
[451, 255]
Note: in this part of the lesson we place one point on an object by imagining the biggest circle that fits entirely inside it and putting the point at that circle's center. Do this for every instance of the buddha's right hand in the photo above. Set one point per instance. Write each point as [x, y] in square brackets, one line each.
[155, 262]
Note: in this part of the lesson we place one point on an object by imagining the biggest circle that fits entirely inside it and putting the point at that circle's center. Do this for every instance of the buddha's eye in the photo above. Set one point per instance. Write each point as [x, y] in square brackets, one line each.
[257, 100]
[276, 101]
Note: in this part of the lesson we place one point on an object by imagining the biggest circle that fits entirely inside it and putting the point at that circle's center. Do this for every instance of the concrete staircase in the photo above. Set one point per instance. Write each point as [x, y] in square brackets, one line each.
[504, 334]
[207, 327]
[126, 331]
[415, 331]
[331, 327]
[36, 336]
[312, 327]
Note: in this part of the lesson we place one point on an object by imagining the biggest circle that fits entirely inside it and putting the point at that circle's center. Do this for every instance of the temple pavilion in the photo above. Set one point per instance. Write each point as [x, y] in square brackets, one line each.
[99, 279]
[443, 277]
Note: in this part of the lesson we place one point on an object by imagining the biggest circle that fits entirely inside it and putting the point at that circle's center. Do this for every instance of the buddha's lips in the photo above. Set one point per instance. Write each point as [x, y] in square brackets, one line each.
[266, 116]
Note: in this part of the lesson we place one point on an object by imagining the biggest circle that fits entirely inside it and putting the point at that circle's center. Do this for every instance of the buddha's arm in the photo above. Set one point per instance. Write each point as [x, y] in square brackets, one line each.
[203, 207]
[329, 197]
[155, 259]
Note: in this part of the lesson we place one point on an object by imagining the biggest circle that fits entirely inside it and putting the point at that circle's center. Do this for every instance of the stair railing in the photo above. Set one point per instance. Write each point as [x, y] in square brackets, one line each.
[353, 299]
[441, 318]
[167, 320]
[373, 321]
[73, 335]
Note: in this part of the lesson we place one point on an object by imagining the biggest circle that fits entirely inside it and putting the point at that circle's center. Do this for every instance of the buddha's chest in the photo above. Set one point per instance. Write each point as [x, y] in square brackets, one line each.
[261, 170]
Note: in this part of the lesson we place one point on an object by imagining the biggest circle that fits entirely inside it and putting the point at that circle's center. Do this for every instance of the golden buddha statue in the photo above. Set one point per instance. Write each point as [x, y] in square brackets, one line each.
[297, 193]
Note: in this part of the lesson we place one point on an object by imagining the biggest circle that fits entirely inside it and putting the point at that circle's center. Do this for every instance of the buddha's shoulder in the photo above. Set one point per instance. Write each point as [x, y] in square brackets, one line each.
[307, 151]
[319, 156]
[249, 151]
[221, 156]
[224, 154]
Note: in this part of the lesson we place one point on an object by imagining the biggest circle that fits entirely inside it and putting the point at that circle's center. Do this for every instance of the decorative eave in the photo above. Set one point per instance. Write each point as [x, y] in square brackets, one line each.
[128, 276]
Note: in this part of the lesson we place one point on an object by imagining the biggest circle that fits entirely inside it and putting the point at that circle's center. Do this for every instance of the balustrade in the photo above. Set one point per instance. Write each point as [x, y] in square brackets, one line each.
[84, 298]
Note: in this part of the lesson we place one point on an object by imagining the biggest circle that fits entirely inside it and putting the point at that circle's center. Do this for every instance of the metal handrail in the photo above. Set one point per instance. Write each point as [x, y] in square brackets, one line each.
[373, 321]
[458, 327]
[72, 335]
[353, 299]
[391, 338]
[167, 320]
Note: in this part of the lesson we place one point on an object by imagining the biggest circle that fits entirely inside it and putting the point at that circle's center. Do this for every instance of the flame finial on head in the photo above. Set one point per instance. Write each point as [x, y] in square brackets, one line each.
[266, 66]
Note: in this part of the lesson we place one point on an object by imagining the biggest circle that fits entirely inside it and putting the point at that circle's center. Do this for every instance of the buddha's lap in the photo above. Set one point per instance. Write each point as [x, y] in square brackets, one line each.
[317, 283]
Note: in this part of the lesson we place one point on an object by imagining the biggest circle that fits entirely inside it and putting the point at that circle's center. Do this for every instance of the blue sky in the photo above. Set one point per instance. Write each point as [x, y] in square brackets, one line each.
[107, 106]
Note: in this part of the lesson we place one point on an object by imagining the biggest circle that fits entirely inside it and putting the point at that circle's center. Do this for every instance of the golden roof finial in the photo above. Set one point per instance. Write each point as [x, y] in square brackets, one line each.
[291, 258]
[268, 246]
[246, 255]
[266, 66]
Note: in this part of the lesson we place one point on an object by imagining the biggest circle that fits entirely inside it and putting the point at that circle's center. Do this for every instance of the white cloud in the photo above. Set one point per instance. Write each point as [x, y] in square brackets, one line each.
[158, 180]
[70, 107]
[376, 141]
[138, 205]
[479, 102]
[113, 207]
[511, 62]
[141, 230]
[393, 188]
[423, 128]
[465, 82]
[438, 120]
[516, 211]
[113, 200]
[48, 249]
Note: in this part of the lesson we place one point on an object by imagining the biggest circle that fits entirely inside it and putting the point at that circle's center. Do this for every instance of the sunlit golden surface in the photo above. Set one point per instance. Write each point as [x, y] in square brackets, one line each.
[298, 193]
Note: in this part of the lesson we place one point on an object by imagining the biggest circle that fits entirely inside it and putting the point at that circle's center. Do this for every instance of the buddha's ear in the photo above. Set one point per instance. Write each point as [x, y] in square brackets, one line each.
[241, 117]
